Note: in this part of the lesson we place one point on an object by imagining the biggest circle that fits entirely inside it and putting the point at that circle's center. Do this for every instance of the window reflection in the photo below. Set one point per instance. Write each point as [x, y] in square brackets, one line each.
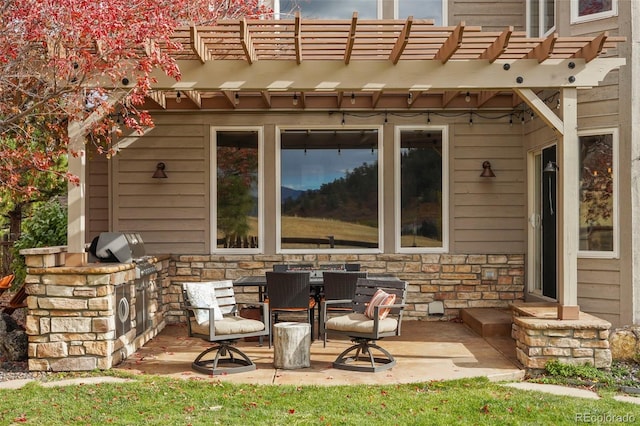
[421, 9]
[329, 189]
[237, 189]
[596, 193]
[421, 188]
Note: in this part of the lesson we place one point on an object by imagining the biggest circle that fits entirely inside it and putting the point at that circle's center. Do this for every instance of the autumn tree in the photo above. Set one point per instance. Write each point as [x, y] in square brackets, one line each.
[64, 61]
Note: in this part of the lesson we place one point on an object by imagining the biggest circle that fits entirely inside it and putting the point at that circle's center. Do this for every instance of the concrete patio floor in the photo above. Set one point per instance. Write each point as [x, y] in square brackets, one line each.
[425, 351]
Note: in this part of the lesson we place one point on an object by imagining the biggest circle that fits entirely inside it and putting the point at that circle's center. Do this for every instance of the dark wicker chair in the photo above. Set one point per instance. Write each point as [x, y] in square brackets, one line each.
[289, 293]
[223, 328]
[336, 286]
[365, 331]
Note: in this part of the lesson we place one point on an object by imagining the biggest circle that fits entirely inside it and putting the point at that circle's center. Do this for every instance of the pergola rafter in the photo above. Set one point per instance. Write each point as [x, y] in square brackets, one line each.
[380, 60]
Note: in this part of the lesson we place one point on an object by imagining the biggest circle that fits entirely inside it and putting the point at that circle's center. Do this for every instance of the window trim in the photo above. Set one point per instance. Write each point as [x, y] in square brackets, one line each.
[444, 129]
[213, 216]
[539, 4]
[575, 19]
[278, 182]
[615, 253]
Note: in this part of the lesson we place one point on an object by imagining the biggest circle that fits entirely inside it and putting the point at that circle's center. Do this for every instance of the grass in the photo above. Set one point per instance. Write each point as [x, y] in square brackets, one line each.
[153, 400]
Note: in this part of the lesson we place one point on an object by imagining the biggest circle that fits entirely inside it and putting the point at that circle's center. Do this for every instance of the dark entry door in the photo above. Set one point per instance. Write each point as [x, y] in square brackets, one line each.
[549, 225]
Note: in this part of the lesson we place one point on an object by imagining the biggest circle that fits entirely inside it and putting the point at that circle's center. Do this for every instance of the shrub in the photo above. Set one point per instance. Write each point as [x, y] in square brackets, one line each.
[46, 227]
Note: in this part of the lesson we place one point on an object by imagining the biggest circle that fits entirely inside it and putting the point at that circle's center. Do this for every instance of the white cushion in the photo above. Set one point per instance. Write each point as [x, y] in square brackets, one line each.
[203, 295]
[229, 325]
[360, 323]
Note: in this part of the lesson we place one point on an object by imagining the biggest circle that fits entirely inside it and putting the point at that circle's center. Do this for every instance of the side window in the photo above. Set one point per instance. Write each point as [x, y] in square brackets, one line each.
[541, 17]
[422, 9]
[330, 192]
[589, 10]
[421, 189]
[598, 200]
[326, 9]
[236, 190]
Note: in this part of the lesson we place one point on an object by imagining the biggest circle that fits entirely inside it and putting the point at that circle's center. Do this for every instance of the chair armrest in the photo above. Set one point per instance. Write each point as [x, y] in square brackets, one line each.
[336, 301]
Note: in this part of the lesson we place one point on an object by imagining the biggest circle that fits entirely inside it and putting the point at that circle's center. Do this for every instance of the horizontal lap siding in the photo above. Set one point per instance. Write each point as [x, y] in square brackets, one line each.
[488, 214]
[599, 288]
[97, 200]
[493, 15]
[171, 214]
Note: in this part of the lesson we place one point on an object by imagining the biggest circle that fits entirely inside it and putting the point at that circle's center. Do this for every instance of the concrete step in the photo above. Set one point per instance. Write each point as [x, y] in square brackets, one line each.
[487, 322]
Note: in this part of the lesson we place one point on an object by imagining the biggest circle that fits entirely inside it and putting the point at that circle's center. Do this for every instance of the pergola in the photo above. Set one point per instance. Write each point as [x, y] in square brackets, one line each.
[380, 65]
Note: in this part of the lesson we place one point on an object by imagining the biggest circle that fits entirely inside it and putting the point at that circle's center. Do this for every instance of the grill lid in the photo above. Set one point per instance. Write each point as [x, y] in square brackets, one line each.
[117, 247]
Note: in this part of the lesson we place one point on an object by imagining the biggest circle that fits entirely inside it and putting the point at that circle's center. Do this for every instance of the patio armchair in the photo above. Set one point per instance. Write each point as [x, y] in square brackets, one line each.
[213, 315]
[336, 286]
[377, 310]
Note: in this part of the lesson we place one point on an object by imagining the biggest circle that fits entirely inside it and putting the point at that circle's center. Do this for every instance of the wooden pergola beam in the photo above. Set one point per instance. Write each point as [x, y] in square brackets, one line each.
[159, 98]
[447, 97]
[266, 97]
[484, 96]
[453, 43]
[498, 46]
[247, 42]
[401, 41]
[230, 95]
[375, 98]
[351, 39]
[197, 45]
[298, 38]
[543, 50]
[593, 48]
[195, 97]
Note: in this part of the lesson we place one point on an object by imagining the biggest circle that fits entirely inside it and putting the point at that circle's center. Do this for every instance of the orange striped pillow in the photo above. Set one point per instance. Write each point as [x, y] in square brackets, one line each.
[380, 297]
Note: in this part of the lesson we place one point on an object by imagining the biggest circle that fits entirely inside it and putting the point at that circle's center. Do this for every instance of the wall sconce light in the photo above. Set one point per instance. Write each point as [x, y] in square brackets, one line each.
[486, 170]
[159, 173]
[551, 167]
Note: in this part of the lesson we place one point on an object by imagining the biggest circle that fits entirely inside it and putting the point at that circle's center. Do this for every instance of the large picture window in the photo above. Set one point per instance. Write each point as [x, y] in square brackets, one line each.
[329, 190]
[236, 185]
[422, 194]
[587, 10]
[598, 221]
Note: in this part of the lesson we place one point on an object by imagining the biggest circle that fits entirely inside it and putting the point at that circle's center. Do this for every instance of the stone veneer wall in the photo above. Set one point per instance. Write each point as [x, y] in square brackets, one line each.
[442, 283]
[540, 337]
[71, 320]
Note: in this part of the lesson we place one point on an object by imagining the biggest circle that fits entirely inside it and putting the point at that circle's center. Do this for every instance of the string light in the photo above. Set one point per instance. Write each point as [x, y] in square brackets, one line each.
[237, 98]
[470, 119]
[342, 119]
[178, 97]
[510, 119]
[295, 99]
[467, 98]
[428, 117]
[353, 98]
[409, 98]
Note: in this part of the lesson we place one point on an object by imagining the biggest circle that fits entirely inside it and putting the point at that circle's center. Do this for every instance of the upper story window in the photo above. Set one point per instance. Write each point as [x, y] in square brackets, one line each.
[329, 190]
[598, 189]
[326, 9]
[541, 17]
[421, 189]
[236, 202]
[422, 9]
[588, 10]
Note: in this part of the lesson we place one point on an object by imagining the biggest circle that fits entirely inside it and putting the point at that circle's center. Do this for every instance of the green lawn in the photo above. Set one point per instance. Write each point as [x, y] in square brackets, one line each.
[152, 400]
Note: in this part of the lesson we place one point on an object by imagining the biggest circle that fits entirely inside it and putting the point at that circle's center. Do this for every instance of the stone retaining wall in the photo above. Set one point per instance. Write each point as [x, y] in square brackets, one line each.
[540, 337]
[439, 284]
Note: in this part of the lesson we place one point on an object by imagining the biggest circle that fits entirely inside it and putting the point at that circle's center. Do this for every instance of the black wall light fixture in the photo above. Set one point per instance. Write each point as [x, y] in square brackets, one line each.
[159, 173]
[486, 170]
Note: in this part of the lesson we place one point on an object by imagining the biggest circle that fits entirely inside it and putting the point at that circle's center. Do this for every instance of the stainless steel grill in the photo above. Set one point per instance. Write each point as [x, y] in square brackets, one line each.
[118, 247]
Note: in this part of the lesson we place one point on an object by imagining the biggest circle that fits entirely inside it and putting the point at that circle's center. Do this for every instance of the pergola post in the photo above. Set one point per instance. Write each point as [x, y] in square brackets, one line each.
[568, 207]
[76, 255]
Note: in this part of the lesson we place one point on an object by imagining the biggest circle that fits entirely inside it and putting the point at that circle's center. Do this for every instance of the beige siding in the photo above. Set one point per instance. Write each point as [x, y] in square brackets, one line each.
[97, 200]
[599, 288]
[488, 212]
[494, 15]
[171, 214]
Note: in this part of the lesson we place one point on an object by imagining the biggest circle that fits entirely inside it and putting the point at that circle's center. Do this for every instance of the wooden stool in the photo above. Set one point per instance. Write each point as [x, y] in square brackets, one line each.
[291, 345]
